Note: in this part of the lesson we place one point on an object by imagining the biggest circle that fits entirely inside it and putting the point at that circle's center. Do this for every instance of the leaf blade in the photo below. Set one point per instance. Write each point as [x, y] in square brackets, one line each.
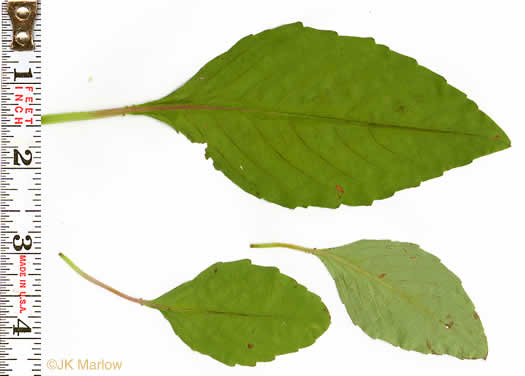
[303, 117]
[401, 294]
[239, 313]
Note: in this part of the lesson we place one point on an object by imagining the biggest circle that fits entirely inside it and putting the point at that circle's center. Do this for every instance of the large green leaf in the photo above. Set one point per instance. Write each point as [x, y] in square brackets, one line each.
[302, 117]
[242, 313]
[399, 293]
[239, 313]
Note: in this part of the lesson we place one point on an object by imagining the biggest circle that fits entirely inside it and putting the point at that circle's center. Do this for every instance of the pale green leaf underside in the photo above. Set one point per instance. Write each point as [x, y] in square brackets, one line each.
[302, 117]
[399, 293]
[239, 313]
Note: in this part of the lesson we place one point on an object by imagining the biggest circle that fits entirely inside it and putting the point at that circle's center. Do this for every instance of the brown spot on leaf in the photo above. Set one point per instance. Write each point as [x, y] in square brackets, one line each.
[412, 257]
[215, 270]
[448, 316]
[250, 345]
[382, 275]
[476, 316]
[430, 347]
[495, 137]
[405, 251]
[340, 189]
[449, 325]
[401, 108]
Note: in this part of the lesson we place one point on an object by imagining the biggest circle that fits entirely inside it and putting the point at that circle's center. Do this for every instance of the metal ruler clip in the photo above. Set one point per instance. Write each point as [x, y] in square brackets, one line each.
[22, 14]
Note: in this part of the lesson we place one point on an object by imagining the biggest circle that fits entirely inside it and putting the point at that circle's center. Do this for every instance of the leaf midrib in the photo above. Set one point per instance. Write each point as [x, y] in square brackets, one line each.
[161, 307]
[143, 109]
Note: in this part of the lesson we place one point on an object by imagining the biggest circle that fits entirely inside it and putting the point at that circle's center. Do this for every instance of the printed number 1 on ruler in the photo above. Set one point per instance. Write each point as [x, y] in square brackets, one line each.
[20, 190]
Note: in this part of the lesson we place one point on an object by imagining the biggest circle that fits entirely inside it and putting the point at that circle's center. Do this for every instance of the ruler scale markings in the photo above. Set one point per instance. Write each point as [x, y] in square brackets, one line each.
[20, 176]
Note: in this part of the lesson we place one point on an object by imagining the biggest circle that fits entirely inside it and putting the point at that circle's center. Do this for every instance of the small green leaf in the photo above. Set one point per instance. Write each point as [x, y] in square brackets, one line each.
[399, 293]
[239, 313]
[303, 117]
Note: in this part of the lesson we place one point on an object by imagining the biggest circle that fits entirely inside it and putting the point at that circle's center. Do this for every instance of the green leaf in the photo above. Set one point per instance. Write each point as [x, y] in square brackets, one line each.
[399, 293]
[302, 117]
[239, 313]
[243, 313]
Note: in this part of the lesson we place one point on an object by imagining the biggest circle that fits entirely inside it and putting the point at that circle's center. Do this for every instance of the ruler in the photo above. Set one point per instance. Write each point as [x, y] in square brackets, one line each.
[20, 190]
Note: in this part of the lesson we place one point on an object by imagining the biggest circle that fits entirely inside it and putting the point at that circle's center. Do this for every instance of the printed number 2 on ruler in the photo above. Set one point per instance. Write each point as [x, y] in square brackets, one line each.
[20, 190]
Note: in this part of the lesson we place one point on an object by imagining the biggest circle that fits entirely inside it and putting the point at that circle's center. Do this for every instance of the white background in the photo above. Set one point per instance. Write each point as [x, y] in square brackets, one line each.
[136, 204]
